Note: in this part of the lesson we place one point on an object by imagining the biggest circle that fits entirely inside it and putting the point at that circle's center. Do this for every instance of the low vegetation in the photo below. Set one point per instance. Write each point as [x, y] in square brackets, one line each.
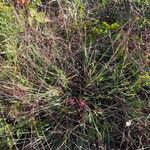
[74, 75]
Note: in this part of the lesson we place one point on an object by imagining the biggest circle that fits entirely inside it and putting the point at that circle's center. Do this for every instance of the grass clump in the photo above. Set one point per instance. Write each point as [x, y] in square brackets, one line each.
[74, 75]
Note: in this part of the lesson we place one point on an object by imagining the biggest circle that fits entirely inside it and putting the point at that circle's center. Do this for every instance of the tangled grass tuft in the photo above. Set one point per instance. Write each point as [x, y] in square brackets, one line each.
[74, 75]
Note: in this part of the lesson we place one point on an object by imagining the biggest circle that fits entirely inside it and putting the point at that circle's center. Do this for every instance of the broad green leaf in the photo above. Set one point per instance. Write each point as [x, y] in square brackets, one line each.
[114, 26]
[33, 12]
[40, 17]
[106, 25]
